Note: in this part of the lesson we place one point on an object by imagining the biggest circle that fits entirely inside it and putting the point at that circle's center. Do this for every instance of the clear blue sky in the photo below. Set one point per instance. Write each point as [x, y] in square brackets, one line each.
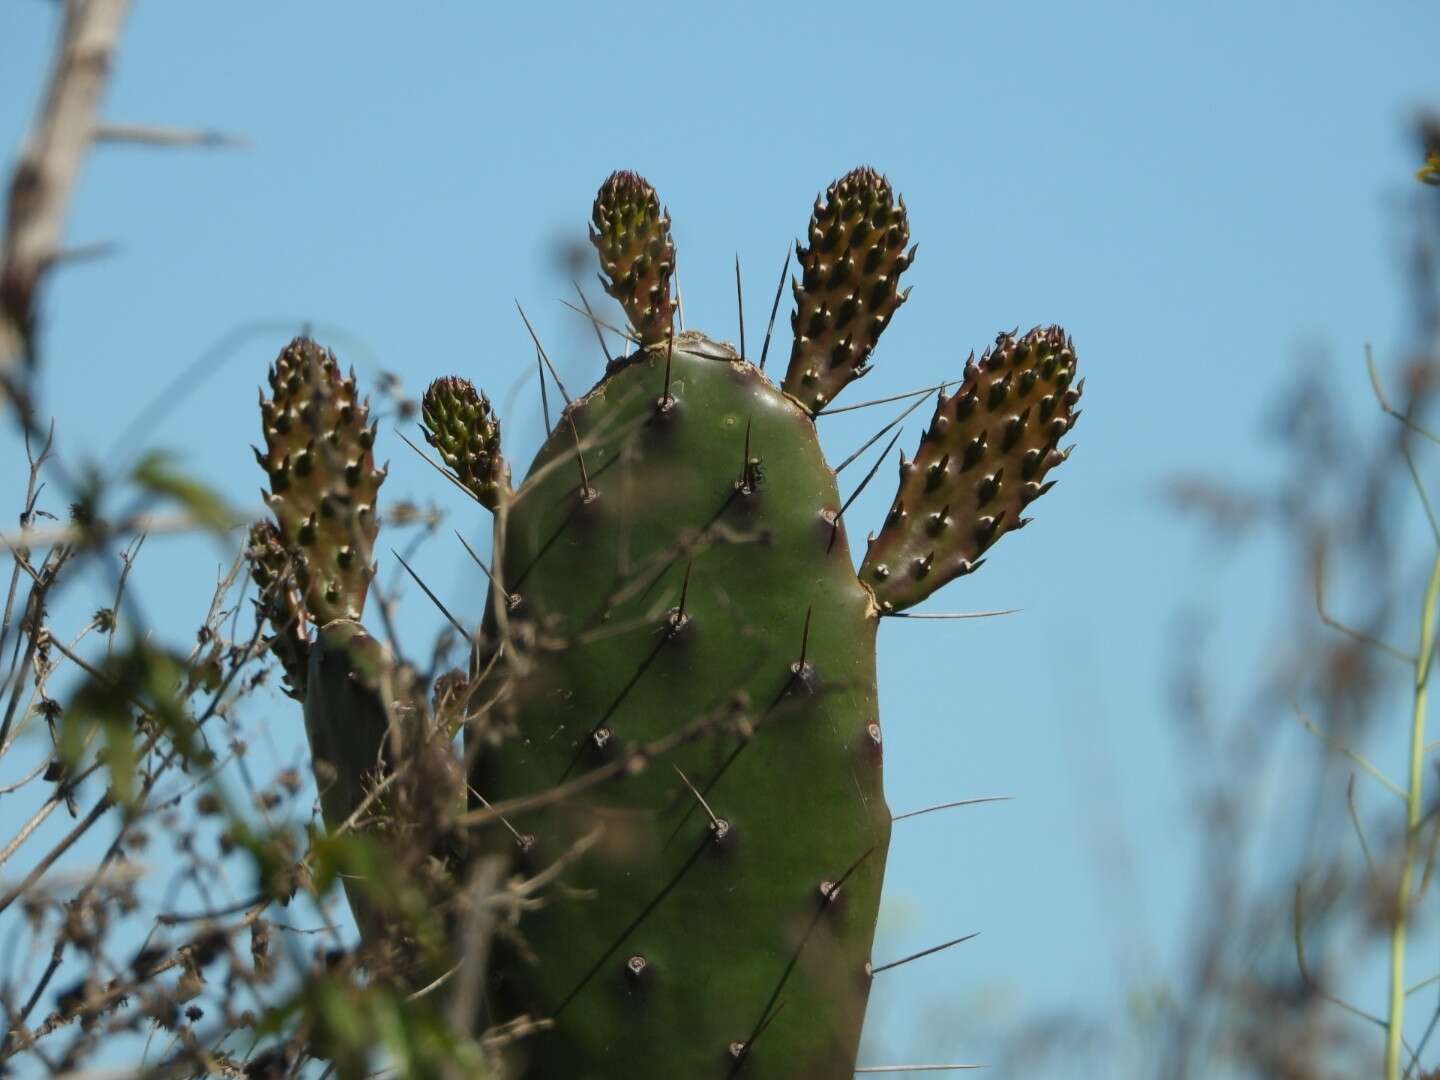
[1197, 194]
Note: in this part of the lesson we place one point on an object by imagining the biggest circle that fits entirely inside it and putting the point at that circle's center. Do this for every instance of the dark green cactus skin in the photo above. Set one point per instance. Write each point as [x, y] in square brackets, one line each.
[363, 713]
[345, 715]
[689, 944]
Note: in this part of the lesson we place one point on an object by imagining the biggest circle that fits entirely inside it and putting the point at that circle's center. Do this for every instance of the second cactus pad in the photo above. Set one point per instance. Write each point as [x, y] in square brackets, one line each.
[681, 575]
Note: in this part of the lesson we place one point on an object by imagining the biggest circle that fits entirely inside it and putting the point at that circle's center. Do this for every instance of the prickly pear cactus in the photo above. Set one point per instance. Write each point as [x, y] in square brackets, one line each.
[313, 566]
[682, 569]
[671, 719]
[695, 575]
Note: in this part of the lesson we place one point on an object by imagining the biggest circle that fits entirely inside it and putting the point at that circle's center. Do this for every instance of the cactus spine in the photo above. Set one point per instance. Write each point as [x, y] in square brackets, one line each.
[672, 706]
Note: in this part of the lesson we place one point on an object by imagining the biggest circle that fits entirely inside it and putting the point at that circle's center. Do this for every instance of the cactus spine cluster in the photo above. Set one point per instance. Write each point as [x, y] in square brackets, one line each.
[671, 713]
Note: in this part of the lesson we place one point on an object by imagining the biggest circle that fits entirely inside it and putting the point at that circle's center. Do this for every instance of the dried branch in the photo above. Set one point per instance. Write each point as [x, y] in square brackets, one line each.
[153, 135]
[149, 524]
[45, 176]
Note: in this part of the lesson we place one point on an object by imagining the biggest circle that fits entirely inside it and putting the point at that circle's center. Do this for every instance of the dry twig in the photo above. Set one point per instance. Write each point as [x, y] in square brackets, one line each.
[45, 176]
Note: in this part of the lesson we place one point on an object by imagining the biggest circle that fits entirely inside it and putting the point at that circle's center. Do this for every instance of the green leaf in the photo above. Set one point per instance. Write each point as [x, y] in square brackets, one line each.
[121, 760]
[142, 685]
[158, 474]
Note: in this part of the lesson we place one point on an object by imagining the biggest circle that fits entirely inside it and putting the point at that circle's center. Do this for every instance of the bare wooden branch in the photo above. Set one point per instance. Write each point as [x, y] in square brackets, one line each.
[151, 524]
[46, 173]
[155, 135]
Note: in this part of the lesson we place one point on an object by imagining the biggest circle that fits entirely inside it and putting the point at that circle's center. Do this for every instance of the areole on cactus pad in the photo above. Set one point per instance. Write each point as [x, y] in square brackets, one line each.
[671, 710]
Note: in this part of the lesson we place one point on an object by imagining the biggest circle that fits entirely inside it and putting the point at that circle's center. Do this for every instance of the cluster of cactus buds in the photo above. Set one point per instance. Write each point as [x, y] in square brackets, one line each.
[677, 584]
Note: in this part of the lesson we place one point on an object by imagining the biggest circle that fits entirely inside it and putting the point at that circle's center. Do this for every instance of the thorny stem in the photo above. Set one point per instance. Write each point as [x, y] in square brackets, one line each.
[1414, 799]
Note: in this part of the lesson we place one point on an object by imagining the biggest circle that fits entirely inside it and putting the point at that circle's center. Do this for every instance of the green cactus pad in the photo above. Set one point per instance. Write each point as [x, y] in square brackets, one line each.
[632, 234]
[275, 572]
[980, 463]
[849, 286]
[693, 569]
[364, 713]
[323, 480]
[462, 427]
[670, 718]
[346, 716]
